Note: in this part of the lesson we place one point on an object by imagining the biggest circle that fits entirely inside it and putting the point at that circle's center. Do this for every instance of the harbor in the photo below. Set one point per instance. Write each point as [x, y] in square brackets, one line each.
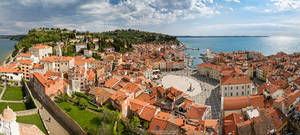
[207, 56]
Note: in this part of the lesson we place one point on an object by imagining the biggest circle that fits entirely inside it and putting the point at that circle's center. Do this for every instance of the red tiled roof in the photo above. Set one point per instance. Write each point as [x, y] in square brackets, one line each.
[24, 55]
[235, 117]
[268, 87]
[291, 98]
[149, 98]
[40, 46]
[211, 66]
[9, 70]
[229, 127]
[211, 123]
[159, 122]
[245, 123]
[38, 66]
[257, 101]
[56, 59]
[131, 87]
[196, 111]
[297, 81]
[119, 96]
[187, 103]
[26, 62]
[233, 103]
[91, 75]
[233, 80]
[137, 105]
[148, 112]
[188, 127]
[103, 95]
[173, 93]
[176, 120]
[110, 83]
[278, 117]
[158, 89]
[265, 68]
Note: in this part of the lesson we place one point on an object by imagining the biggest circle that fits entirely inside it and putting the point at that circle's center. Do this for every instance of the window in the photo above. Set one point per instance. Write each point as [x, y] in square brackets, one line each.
[157, 128]
[237, 87]
[231, 87]
[242, 93]
[231, 93]
[237, 94]
[242, 87]
[248, 86]
[225, 94]
[248, 92]
[225, 88]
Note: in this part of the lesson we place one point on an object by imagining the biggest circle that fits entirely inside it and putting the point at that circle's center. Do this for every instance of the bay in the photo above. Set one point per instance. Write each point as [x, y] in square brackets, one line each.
[6, 47]
[265, 45]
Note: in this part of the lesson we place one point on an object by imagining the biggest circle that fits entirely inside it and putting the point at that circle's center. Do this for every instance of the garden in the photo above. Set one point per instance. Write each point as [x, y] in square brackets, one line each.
[96, 120]
[34, 119]
[13, 93]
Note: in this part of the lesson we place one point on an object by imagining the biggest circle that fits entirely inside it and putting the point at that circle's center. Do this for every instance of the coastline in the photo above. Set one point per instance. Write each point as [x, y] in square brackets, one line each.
[3, 62]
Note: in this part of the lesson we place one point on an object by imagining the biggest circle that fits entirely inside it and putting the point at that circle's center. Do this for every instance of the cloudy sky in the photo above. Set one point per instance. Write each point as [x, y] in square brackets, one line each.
[175, 17]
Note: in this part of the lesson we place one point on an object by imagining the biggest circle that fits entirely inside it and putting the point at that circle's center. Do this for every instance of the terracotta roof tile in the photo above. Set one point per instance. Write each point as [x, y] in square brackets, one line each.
[211, 66]
[40, 46]
[137, 105]
[233, 103]
[233, 80]
[196, 111]
[9, 70]
[173, 93]
[149, 98]
[110, 83]
[131, 87]
[148, 112]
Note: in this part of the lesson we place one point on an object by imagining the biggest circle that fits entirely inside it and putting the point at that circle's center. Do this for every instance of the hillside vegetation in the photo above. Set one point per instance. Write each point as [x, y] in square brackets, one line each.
[123, 39]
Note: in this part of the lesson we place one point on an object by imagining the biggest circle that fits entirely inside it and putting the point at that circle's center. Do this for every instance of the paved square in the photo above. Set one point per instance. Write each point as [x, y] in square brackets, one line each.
[205, 90]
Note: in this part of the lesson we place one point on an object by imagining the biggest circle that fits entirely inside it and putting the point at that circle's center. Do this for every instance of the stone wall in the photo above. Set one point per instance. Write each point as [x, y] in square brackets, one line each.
[27, 112]
[68, 123]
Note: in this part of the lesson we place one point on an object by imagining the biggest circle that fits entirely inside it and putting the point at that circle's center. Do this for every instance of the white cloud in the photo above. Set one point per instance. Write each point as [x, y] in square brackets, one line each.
[282, 5]
[237, 1]
[249, 8]
[268, 10]
[46, 2]
[245, 25]
[145, 12]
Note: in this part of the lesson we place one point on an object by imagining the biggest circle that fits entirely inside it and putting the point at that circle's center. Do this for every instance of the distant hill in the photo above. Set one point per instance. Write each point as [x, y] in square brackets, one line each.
[12, 37]
[215, 36]
[139, 37]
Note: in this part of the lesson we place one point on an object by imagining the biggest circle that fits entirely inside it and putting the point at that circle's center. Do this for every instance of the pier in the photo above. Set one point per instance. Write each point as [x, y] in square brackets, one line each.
[208, 56]
[192, 49]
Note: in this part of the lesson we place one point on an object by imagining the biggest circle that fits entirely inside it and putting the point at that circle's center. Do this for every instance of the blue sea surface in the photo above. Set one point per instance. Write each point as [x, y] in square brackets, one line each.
[265, 45]
[6, 47]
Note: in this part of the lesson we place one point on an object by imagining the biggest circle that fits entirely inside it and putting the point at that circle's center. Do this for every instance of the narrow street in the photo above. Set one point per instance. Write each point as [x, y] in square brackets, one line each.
[53, 126]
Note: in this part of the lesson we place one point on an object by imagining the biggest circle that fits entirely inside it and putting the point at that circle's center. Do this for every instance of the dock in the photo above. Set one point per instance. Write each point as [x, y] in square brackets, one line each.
[208, 56]
[192, 49]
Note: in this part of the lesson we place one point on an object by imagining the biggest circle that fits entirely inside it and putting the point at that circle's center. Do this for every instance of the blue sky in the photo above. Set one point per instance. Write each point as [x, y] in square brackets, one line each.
[175, 17]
